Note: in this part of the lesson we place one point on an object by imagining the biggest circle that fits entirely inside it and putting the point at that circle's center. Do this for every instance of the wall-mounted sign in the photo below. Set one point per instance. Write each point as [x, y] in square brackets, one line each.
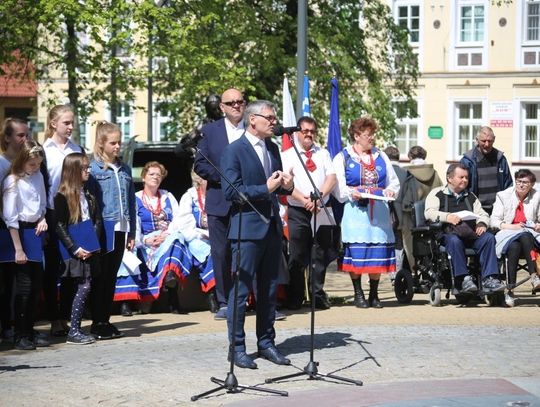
[501, 114]
[435, 132]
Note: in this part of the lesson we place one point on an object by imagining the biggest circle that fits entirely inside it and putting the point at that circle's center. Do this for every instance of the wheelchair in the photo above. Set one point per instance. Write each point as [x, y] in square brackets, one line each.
[433, 271]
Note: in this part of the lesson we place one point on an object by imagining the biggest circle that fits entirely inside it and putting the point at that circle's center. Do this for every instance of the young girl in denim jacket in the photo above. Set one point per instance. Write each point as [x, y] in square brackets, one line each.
[115, 193]
[24, 214]
[75, 204]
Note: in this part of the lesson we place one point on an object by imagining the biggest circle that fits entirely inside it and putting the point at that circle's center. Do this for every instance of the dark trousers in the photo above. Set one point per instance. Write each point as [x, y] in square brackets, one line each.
[28, 279]
[104, 282]
[220, 250]
[484, 247]
[259, 261]
[520, 248]
[7, 279]
[58, 293]
[300, 245]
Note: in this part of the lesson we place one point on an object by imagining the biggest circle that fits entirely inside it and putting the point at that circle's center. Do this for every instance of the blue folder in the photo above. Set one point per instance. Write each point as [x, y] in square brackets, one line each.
[83, 235]
[32, 245]
[107, 237]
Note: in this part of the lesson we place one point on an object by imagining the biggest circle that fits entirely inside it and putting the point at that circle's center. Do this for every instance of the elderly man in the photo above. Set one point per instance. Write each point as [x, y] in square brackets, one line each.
[216, 136]
[488, 169]
[253, 165]
[442, 204]
[301, 209]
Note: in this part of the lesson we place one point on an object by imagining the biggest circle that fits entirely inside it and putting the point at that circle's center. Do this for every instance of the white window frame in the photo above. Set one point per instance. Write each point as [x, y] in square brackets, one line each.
[521, 37]
[416, 46]
[453, 114]
[520, 123]
[407, 122]
[468, 47]
[158, 120]
[121, 121]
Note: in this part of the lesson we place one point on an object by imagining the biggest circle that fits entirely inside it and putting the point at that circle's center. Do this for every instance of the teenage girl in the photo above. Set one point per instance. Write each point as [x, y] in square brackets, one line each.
[74, 204]
[13, 134]
[57, 146]
[115, 193]
[24, 208]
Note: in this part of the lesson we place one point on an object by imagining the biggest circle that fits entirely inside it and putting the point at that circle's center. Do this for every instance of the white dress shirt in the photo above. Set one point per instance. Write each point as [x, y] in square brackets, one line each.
[24, 199]
[234, 132]
[55, 158]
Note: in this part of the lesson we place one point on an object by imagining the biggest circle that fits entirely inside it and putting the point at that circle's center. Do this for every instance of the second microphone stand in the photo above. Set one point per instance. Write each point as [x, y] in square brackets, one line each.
[311, 369]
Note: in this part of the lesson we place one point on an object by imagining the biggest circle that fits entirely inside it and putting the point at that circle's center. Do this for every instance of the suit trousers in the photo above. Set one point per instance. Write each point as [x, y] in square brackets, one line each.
[220, 250]
[259, 262]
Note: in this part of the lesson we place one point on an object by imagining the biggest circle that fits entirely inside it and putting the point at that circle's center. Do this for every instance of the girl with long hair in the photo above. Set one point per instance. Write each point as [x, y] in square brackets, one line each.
[23, 198]
[115, 193]
[74, 204]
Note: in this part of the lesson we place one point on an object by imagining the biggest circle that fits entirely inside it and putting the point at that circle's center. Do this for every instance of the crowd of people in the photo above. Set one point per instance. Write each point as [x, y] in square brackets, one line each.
[74, 228]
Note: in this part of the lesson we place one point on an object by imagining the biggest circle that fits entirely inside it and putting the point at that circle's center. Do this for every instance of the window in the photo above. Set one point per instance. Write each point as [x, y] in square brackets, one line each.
[532, 21]
[468, 122]
[531, 129]
[471, 23]
[124, 120]
[407, 127]
[82, 133]
[409, 17]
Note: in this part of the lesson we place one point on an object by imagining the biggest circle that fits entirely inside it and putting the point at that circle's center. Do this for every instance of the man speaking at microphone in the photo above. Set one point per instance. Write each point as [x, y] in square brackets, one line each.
[253, 165]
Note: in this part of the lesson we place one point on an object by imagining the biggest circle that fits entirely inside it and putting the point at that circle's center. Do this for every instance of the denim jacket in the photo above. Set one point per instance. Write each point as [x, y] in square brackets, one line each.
[103, 184]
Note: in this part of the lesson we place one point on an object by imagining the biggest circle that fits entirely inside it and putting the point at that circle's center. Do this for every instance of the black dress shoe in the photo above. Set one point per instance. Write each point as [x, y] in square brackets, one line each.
[242, 359]
[273, 355]
[322, 303]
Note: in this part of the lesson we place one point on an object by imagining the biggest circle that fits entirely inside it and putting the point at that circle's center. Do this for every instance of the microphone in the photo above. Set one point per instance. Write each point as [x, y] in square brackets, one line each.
[280, 130]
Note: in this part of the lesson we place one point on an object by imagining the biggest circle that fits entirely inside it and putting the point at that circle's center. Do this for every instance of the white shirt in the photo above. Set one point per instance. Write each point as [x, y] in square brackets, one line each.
[321, 158]
[234, 132]
[260, 148]
[55, 158]
[122, 225]
[24, 199]
[185, 220]
[139, 238]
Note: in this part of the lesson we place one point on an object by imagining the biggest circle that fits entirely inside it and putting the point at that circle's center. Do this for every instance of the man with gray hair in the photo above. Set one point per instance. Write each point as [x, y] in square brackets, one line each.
[253, 165]
[488, 169]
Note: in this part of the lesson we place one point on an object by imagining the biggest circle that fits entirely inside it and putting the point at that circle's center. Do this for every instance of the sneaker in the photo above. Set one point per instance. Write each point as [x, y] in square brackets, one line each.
[535, 281]
[468, 285]
[24, 343]
[80, 338]
[491, 284]
[509, 299]
[221, 314]
[280, 316]
[41, 340]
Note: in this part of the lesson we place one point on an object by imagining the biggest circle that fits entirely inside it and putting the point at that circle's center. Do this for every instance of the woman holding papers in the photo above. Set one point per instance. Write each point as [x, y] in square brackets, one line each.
[77, 208]
[366, 181]
[24, 203]
[516, 213]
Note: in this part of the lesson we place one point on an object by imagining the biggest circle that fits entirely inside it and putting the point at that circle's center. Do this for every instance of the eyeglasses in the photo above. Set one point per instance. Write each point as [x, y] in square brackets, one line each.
[234, 103]
[85, 168]
[308, 131]
[270, 118]
[521, 182]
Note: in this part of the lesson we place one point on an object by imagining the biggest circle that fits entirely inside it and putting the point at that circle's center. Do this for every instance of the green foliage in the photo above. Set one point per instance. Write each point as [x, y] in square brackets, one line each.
[205, 46]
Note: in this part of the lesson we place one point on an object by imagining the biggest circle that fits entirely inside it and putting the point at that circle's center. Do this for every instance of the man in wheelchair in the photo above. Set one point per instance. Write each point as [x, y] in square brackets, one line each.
[465, 226]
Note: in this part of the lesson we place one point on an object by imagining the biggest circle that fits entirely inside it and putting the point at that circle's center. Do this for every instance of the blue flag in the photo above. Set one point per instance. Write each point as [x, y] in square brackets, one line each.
[334, 145]
[306, 110]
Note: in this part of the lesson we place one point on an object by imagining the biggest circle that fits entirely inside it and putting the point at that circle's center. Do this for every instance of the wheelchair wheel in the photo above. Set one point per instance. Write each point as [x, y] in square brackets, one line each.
[494, 300]
[404, 286]
[435, 296]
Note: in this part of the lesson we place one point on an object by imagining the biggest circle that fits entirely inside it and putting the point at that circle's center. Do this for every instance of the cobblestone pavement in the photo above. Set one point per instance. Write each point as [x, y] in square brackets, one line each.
[165, 359]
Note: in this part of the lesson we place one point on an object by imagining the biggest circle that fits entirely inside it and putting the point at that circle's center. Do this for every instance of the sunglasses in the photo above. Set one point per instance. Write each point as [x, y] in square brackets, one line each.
[234, 103]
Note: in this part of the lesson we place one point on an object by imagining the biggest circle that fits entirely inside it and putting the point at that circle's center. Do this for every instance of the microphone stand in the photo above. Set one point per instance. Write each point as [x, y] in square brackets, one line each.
[311, 369]
[230, 384]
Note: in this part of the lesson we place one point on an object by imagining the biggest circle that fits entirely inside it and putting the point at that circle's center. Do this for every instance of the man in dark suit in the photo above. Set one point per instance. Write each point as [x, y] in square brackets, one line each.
[216, 136]
[253, 165]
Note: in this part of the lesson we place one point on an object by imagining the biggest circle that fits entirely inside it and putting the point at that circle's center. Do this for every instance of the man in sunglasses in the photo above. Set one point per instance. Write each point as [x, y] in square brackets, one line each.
[301, 209]
[216, 136]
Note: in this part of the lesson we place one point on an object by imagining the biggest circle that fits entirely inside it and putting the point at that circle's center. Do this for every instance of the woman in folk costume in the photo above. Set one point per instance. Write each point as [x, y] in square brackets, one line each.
[366, 226]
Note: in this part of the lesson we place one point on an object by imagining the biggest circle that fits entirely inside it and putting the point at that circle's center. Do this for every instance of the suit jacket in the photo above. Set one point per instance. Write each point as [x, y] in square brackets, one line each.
[242, 167]
[212, 145]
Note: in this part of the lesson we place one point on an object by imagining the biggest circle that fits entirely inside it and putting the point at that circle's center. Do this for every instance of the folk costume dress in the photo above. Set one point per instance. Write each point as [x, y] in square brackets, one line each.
[366, 227]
